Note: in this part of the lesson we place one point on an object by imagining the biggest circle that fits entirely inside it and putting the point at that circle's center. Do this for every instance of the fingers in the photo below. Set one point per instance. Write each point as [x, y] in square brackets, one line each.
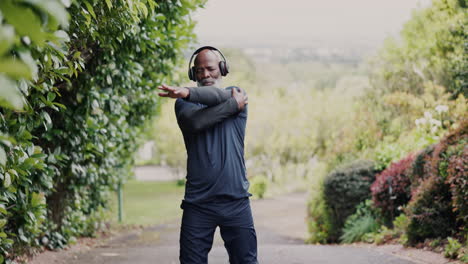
[165, 88]
[170, 90]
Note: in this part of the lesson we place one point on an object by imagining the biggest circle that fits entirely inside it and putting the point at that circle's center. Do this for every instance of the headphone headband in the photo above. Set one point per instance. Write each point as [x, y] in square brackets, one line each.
[223, 64]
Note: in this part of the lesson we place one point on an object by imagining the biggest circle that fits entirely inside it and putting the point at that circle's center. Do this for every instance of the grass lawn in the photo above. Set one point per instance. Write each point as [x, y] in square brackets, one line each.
[149, 203]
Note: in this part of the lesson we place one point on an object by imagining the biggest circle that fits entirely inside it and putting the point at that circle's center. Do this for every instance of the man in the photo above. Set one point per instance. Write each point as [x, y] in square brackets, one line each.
[212, 121]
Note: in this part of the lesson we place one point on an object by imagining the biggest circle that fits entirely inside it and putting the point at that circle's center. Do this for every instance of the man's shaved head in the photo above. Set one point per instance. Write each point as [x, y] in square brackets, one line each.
[207, 70]
[206, 54]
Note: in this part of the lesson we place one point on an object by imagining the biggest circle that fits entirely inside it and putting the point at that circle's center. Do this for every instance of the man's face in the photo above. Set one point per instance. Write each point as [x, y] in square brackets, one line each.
[207, 69]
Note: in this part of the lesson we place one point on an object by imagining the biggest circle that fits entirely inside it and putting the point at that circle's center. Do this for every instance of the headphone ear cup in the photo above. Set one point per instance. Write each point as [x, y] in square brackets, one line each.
[191, 74]
[223, 68]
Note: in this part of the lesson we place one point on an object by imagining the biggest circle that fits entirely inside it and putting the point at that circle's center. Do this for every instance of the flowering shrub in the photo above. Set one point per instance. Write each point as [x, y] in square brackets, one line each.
[430, 126]
[391, 188]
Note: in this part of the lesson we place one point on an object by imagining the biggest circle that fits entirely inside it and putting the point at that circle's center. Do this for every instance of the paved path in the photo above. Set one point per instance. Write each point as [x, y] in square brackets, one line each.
[281, 228]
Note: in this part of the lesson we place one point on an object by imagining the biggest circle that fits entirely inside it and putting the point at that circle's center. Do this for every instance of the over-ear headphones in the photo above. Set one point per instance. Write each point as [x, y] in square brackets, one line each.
[223, 66]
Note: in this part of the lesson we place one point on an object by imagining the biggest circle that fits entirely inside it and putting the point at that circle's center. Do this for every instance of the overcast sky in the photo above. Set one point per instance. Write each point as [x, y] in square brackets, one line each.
[243, 23]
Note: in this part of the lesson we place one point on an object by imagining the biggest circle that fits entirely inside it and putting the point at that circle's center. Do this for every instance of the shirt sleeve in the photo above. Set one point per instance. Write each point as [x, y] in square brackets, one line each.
[194, 118]
[208, 95]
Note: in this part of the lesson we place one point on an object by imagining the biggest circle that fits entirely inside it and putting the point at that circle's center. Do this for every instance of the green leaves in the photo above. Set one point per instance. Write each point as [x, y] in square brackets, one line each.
[23, 19]
[55, 9]
[37, 199]
[2, 209]
[6, 180]
[74, 97]
[90, 8]
[47, 121]
[10, 97]
[7, 38]
[109, 4]
[3, 158]
[15, 69]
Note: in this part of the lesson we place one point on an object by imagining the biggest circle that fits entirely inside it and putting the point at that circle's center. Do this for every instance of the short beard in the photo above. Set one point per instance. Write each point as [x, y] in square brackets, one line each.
[217, 83]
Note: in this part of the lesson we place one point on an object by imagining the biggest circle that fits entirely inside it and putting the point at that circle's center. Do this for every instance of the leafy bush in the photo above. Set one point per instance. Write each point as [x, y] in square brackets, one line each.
[385, 153]
[78, 94]
[430, 212]
[258, 186]
[433, 210]
[318, 219]
[400, 224]
[354, 231]
[362, 222]
[344, 189]
[463, 254]
[452, 248]
[391, 188]
[457, 175]
[386, 234]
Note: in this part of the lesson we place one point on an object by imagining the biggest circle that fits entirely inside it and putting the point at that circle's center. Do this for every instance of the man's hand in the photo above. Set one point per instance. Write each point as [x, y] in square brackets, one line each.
[174, 92]
[240, 96]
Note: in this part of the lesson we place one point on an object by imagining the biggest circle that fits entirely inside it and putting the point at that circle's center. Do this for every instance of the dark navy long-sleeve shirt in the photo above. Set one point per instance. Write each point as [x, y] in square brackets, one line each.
[213, 129]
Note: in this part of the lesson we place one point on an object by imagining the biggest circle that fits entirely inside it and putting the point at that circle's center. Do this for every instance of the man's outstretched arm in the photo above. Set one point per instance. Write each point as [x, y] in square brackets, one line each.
[207, 95]
[195, 118]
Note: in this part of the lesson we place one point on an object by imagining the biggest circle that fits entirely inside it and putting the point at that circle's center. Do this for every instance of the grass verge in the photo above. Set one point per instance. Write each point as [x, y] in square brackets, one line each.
[149, 203]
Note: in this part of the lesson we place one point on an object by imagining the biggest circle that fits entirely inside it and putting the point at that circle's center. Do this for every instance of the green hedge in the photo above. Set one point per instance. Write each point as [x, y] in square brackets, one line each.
[77, 86]
[344, 189]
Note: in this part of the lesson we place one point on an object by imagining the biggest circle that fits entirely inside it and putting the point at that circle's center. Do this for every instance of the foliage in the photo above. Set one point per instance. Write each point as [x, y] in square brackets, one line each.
[452, 248]
[385, 130]
[362, 222]
[258, 186]
[385, 153]
[419, 170]
[344, 189]
[463, 254]
[385, 234]
[433, 210]
[356, 230]
[77, 86]
[391, 188]
[417, 97]
[429, 211]
[457, 177]
[318, 218]
[432, 48]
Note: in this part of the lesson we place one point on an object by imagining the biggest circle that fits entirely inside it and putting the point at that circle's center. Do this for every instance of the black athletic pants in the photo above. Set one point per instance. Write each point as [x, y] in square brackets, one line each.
[234, 218]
